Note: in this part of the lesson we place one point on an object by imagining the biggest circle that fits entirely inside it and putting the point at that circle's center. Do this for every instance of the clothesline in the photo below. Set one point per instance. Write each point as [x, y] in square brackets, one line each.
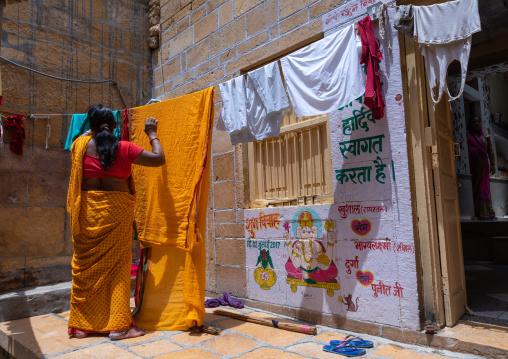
[65, 114]
[45, 115]
[62, 114]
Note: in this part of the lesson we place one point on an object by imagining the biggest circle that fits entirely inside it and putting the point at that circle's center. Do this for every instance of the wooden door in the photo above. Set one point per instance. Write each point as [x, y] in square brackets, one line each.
[447, 209]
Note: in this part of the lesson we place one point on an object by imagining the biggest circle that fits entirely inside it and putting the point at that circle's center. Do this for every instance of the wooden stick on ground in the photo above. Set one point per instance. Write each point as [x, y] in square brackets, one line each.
[271, 323]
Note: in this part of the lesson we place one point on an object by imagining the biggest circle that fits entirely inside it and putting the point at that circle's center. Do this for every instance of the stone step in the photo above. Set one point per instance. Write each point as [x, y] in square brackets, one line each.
[30, 302]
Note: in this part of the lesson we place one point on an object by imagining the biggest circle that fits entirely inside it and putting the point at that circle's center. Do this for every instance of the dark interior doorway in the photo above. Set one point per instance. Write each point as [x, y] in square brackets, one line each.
[485, 242]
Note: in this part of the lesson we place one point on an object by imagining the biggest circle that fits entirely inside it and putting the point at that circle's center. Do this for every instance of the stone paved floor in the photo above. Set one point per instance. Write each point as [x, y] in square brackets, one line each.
[487, 292]
[45, 337]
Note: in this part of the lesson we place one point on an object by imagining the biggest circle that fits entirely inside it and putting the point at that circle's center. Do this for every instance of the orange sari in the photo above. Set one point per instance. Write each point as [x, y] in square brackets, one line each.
[101, 223]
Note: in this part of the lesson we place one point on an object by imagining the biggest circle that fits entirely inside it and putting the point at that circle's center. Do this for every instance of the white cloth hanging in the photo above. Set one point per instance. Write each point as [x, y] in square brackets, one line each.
[1, 136]
[446, 22]
[325, 75]
[267, 101]
[253, 105]
[438, 58]
[48, 133]
[444, 33]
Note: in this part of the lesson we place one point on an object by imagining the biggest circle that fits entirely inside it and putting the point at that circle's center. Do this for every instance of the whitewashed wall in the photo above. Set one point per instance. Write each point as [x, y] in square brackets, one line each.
[382, 252]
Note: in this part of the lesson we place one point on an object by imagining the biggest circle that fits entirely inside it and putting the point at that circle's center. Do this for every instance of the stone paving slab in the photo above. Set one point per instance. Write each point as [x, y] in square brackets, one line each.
[45, 336]
[482, 334]
[157, 347]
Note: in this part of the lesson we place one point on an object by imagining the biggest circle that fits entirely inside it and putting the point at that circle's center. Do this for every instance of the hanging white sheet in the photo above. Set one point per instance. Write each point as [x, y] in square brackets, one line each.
[325, 75]
[253, 105]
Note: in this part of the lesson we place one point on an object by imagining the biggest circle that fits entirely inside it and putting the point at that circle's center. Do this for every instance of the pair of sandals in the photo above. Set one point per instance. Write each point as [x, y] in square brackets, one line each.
[351, 346]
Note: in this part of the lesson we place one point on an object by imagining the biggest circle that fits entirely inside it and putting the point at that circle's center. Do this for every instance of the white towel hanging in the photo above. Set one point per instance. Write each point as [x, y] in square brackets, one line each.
[48, 132]
[1, 136]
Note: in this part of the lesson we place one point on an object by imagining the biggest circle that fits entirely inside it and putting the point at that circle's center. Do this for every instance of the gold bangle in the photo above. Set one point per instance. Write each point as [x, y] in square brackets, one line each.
[331, 244]
[155, 138]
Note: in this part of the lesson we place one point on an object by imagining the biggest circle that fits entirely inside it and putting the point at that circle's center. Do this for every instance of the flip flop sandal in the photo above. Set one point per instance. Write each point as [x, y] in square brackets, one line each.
[346, 349]
[356, 341]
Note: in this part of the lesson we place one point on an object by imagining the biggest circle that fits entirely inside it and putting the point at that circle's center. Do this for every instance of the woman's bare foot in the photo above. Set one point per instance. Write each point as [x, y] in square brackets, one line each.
[131, 333]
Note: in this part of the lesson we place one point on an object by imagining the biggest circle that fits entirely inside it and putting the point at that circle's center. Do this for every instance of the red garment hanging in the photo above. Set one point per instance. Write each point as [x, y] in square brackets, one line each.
[125, 131]
[371, 55]
[16, 122]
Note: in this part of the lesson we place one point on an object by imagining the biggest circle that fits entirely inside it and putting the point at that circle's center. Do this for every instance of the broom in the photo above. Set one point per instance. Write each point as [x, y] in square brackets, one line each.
[271, 323]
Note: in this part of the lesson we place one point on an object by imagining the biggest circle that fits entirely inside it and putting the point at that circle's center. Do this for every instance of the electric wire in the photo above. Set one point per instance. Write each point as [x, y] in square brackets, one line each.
[65, 79]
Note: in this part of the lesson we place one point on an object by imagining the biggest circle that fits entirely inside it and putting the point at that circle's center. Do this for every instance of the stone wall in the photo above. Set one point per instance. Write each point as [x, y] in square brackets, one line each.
[205, 43]
[80, 39]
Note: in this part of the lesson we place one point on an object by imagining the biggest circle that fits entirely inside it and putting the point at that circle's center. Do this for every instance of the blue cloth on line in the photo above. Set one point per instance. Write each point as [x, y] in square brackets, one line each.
[80, 124]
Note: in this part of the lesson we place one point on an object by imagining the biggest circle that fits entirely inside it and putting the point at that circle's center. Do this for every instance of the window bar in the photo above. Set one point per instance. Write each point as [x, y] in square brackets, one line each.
[286, 167]
[261, 171]
[320, 159]
[292, 164]
[265, 167]
[256, 171]
[270, 171]
[275, 171]
[282, 170]
[312, 163]
[304, 164]
[297, 167]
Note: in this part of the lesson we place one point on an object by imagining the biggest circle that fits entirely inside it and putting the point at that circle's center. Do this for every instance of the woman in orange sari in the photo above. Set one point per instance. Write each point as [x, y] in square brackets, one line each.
[101, 202]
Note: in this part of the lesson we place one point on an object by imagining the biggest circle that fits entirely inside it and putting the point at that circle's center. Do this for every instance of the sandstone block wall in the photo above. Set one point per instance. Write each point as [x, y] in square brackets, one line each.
[81, 39]
[204, 43]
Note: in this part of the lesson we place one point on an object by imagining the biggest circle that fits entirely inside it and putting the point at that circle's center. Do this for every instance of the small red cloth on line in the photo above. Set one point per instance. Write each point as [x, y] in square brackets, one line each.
[16, 122]
[134, 269]
[125, 131]
[371, 55]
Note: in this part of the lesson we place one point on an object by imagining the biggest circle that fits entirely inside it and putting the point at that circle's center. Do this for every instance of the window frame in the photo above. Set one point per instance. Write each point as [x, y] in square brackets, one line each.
[326, 160]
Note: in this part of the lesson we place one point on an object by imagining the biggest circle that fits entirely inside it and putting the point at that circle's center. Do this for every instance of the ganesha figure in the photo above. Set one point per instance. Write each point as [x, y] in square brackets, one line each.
[309, 260]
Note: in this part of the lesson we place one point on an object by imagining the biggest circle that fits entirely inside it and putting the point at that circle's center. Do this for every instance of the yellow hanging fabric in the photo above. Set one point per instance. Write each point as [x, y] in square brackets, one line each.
[1, 97]
[171, 206]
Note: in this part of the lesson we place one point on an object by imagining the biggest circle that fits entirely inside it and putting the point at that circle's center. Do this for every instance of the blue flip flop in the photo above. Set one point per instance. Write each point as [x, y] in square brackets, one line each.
[355, 340]
[346, 349]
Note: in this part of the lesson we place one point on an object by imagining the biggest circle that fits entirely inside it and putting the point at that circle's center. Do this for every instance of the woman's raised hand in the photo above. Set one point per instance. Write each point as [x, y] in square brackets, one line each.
[151, 126]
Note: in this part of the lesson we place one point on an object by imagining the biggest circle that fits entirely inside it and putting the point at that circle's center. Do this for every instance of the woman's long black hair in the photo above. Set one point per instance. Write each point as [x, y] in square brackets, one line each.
[102, 121]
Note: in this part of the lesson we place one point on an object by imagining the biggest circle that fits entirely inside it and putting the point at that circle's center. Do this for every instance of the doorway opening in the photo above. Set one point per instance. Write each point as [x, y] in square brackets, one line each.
[484, 239]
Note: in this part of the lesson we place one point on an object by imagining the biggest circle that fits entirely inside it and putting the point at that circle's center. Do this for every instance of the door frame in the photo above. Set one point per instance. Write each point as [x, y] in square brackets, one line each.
[432, 309]
[420, 140]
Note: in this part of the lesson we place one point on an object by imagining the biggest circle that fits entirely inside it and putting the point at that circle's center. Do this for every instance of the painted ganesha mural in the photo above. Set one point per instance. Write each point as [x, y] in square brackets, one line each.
[310, 262]
[305, 251]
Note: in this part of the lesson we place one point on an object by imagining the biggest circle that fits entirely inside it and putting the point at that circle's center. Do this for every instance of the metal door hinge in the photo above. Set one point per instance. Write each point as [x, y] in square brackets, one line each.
[430, 139]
